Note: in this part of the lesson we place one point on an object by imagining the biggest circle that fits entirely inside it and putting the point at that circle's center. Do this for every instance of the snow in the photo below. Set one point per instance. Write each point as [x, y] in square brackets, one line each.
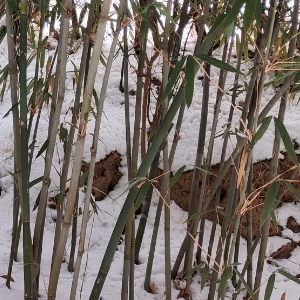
[100, 226]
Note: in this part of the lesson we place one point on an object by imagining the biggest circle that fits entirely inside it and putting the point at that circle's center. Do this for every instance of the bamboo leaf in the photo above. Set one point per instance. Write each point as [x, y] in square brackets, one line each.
[43, 148]
[244, 282]
[11, 109]
[192, 271]
[217, 63]
[194, 216]
[288, 144]
[260, 132]
[2, 32]
[35, 181]
[176, 176]
[189, 77]
[250, 9]
[227, 274]
[204, 276]
[37, 202]
[227, 216]
[289, 276]
[233, 12]
[172, 80]
[269, 202]
[36, 270]
[292, 189]
[258, 10]
[269, 287]
[274, 219]
[142, 194]
[133, 183]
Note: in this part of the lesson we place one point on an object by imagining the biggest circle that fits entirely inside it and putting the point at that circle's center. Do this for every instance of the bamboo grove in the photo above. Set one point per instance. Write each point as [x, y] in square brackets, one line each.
[150, 31]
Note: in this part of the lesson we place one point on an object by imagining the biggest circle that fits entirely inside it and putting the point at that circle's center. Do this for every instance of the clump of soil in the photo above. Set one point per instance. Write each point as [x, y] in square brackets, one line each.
[106, 175]
[180, 193]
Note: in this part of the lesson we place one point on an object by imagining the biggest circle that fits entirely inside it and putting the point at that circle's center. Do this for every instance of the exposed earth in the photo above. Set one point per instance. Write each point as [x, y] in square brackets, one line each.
[107, 175]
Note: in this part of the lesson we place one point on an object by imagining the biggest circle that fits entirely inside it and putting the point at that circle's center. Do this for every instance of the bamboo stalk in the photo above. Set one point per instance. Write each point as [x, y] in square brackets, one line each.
[276, 148]
[59, 91]
[69, 147]
[13, 75]
[94, 150]
[25, 205]
[54, 276]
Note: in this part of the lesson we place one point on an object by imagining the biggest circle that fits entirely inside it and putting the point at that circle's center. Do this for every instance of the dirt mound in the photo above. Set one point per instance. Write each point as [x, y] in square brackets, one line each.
[106, 175]
[180, 192]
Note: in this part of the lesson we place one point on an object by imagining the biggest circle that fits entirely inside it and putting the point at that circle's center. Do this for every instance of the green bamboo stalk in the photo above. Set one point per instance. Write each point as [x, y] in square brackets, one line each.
[74, 236]
[153, 244]
[25, 205]
[130, 232]
[54, 276]
[193, 201]
[94, 150]
[276, 148]
[166, 165]
[13, 75]
[146, 206]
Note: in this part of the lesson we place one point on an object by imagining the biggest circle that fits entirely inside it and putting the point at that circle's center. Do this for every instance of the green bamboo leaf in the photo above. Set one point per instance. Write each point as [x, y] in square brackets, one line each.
[13, 175]
[244, 283]
[227, 216]
[190, 273]
[269, 202]
[83, 178]
[250, 9]
[143, 31]
[176, 176]
[194, 216]
[288, 144]
[258, 10]
[36, 270]
[42, 58]
[133, 183]
[269, 287]
[260, 132]
[63, 136]
[142, 194]
[43, 148]
[274, 219]
[204, 276]
[289, 275]
[37, 202]
[35, 181]
[292, 189]
[189, 77]
[172, 80]
[217, 63]
[233, 12]
[227, 274]
[11, 109]
[2, 32]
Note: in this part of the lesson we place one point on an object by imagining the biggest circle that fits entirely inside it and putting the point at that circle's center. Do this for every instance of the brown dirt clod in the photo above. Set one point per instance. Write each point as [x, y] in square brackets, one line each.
[106, 175]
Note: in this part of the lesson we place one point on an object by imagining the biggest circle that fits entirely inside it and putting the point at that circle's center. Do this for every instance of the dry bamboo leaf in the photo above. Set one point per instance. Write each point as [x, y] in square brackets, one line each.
[283, 296]
[6, 277]
[242, 167]
[153, 288]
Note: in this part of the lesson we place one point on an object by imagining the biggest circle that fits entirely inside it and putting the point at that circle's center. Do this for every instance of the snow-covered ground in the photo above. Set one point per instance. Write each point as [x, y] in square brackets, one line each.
[100, 226]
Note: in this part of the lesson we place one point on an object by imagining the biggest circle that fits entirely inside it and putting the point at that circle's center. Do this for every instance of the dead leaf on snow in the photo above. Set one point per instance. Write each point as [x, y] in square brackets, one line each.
[283, 296]
[153, 288]
[6, 277]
